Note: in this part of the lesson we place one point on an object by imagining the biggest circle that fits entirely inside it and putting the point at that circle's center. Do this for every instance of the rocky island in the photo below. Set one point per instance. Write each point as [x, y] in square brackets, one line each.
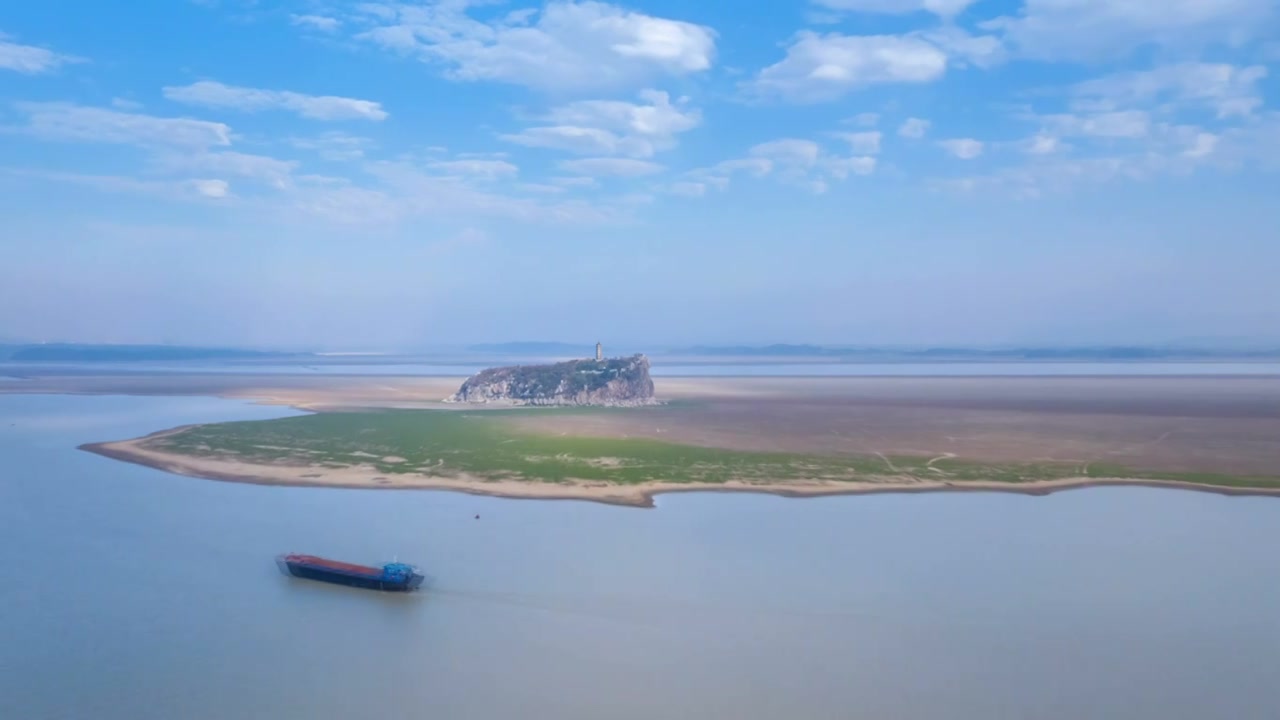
[614, 382]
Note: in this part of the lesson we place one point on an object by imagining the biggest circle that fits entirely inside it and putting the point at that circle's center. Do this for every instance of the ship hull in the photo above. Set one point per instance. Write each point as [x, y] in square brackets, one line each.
[356, 580]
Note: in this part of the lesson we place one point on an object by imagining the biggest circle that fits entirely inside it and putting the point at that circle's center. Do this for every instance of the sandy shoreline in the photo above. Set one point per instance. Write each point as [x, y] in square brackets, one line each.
[634, 495]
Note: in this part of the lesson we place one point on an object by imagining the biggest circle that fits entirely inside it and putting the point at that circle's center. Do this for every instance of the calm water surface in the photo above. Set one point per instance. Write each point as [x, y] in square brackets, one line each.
[128, 593]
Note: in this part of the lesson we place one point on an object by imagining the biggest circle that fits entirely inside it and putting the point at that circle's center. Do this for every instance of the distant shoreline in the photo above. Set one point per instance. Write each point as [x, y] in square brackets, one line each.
[641, 495]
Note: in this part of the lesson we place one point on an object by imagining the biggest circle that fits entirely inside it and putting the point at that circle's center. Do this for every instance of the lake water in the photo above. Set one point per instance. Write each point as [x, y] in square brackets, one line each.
[976, 369]
[127, 593]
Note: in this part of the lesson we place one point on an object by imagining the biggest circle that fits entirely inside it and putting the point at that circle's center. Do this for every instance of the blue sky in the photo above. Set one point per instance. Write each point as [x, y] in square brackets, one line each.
[387, 175]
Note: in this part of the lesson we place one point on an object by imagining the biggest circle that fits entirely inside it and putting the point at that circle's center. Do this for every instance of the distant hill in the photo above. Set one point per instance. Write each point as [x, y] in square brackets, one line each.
[764, 350]
[536, 348]
[136, 353]
[1062, 354]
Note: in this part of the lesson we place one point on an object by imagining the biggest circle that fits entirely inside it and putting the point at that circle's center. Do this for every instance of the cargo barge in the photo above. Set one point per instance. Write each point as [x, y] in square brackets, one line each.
[393, 577]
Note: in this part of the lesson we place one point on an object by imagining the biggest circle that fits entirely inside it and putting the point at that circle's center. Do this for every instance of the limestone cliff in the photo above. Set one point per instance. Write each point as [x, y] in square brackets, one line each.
[613, 381]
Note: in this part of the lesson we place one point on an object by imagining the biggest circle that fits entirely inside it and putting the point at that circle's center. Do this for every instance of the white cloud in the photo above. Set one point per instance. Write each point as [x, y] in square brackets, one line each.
[211, 188]
[616, 167]
[341, 202]
[788, 151]
[635, 199]
[1036, 179]
[334, 145]
[1202, 146]
[944, 8]
[568, 45]
[863, 143]
[403, 191]
[824, 67]
[688, 189]
[29, 59]
[478, 155]
[983, 51]
[584, 141]
[793, 161]
[757, 167]
[540, 188]
[1123, 124]
[657, 118]
[841, 168]
[720, 174]
[914, 128]
[377, 11]
[963, 148]
[612, 127]
[1255, 144]
[866, 119]
[194, 189]
[65, 121]
[264, 169]
[316, 22]
[207, 93]
[1093, 29]
[1181, 141]
[1229, 90]
[486, 169]
[1166, 150]
[1042, 144]
[390, 192]
[575, 181]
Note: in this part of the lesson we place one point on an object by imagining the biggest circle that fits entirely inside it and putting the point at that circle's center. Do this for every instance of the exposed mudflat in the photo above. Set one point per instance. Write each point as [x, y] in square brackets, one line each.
[1184, 425]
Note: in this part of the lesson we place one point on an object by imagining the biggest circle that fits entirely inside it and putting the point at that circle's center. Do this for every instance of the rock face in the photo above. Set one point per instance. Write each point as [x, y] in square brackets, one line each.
[613, 381]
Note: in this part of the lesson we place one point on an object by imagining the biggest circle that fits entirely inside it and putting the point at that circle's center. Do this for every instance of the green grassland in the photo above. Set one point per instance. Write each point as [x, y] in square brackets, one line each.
[481, 444]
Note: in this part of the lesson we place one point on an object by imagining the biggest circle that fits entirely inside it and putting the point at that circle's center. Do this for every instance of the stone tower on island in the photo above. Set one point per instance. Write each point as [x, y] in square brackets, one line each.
[599, 352]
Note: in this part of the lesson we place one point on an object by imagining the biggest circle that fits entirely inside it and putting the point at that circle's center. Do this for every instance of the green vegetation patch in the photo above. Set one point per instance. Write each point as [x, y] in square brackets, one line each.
[481, 444]
[569, 378]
